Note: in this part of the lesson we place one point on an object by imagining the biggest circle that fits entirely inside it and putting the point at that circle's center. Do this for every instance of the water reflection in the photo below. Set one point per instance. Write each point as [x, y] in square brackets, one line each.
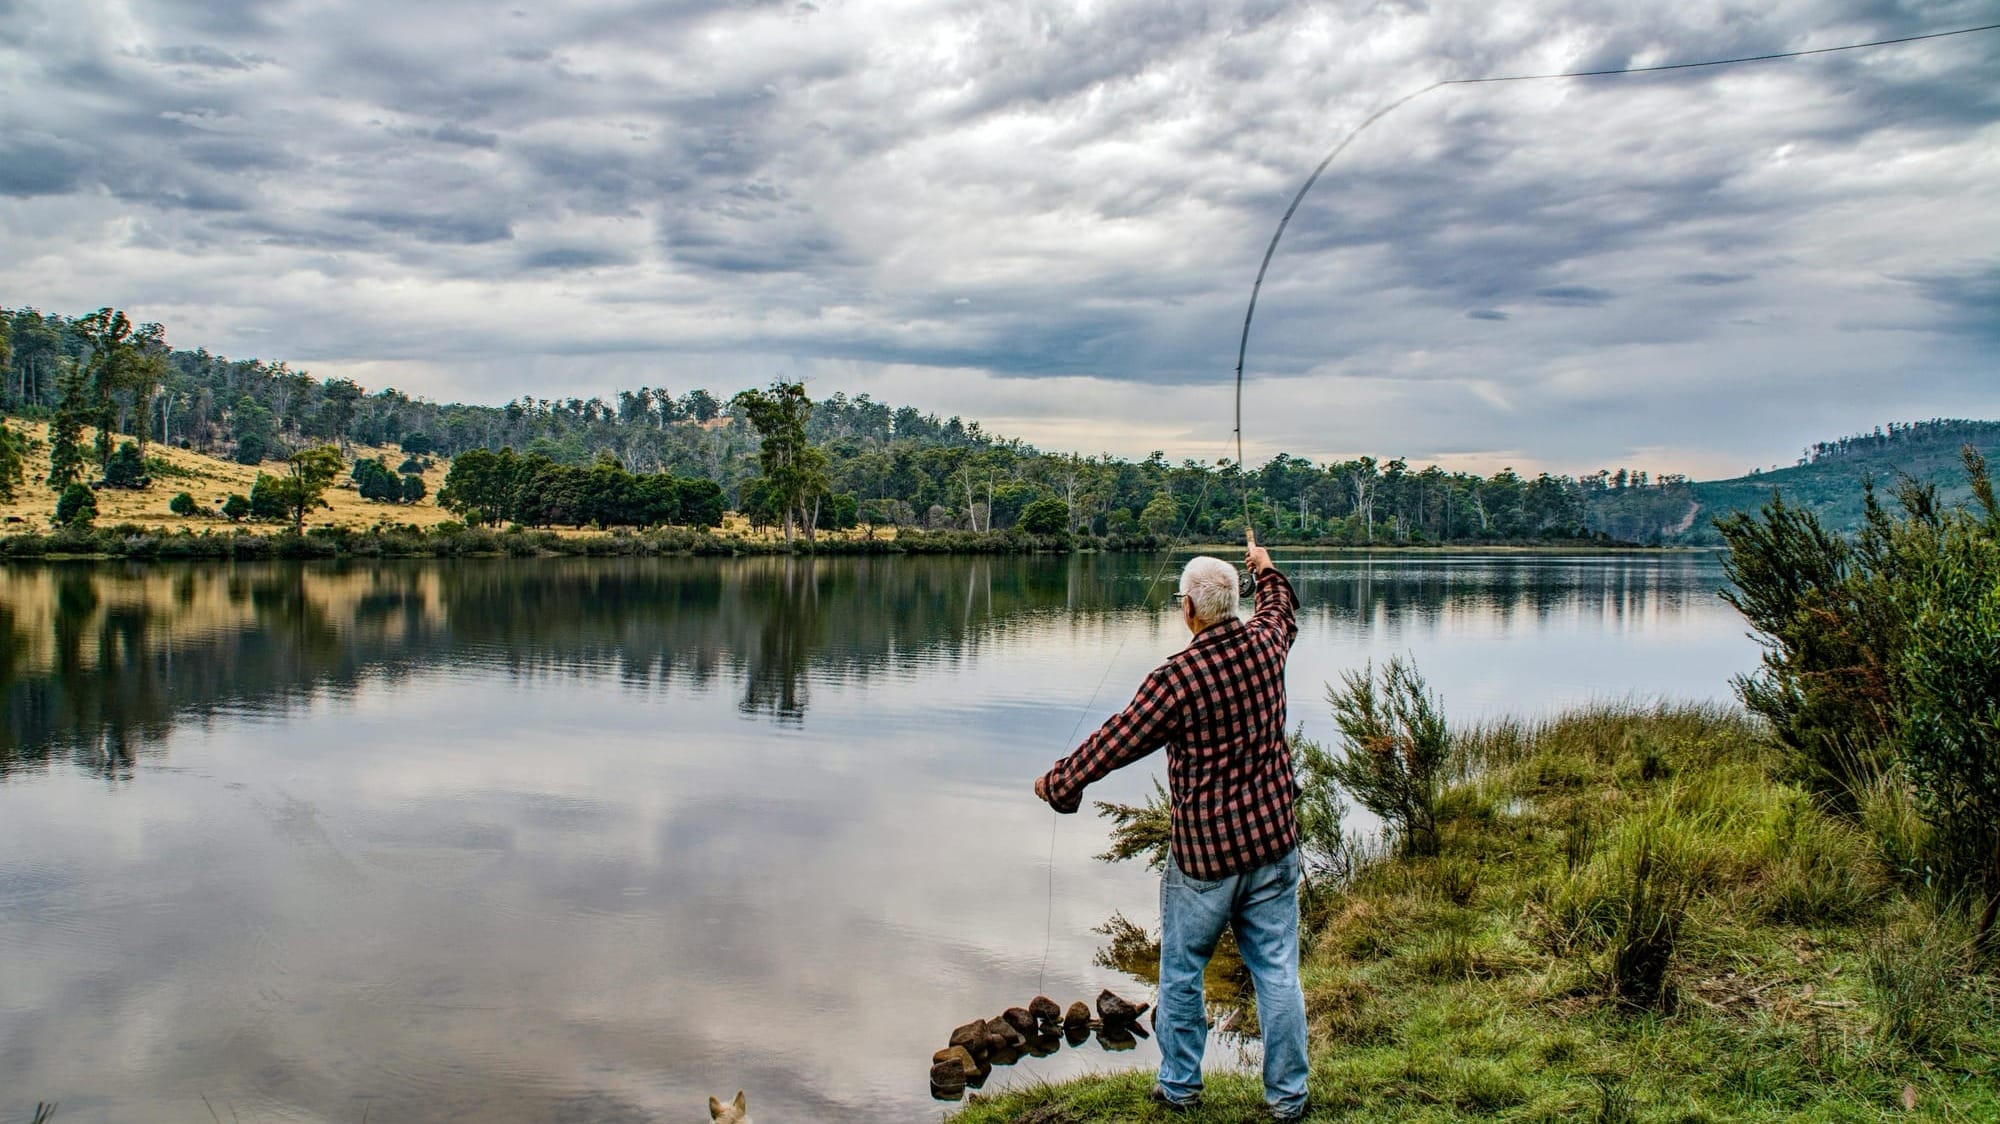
[97, 661]
[598, 839]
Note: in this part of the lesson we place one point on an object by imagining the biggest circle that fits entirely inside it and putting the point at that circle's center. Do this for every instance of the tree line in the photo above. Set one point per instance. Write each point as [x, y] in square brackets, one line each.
[780, 457]
[488, 488]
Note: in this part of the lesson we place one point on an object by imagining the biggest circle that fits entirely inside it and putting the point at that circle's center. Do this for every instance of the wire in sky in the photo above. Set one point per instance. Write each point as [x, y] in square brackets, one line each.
[1243, 346]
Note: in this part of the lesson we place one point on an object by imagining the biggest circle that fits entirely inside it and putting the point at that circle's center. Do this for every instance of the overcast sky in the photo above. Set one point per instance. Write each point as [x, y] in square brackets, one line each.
[1047, 216]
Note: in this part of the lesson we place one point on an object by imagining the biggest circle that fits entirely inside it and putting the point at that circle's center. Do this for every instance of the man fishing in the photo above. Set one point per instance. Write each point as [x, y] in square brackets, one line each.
[1218, 707]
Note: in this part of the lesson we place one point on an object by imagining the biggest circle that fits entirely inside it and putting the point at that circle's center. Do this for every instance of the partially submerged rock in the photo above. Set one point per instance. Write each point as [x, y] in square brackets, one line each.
[1023, 1023]
[954, 1055]
[1047, 1015]
[972, 1036]
[1003, 1036]
[1078, 1016]
[1116, 1011]
[947, 1078]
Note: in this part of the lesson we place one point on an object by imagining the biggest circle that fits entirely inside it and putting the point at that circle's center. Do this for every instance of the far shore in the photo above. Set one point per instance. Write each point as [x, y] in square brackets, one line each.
[235, 542]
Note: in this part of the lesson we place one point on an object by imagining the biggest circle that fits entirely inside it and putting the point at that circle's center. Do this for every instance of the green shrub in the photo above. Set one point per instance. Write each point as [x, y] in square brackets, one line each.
[76, 507]
[236, 507]
[1046, 516]
[1949, 675]
[182, 504]
[1885, 652]
[1396, 751]
[126, 468]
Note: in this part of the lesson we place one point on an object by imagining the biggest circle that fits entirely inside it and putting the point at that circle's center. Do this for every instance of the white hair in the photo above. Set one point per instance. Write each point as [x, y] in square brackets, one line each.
[1209, 584]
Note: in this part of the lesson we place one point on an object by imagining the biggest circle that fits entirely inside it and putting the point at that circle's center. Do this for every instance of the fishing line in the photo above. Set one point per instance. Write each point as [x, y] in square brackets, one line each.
[1243, 345]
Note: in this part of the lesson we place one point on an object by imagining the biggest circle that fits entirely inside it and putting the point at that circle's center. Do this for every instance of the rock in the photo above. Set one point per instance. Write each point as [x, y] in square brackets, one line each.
[955, 1055]
[1009, 1038]
[1074, 1035]
[1116, 1011]
[1047, 1014]
[1078, 1016]
[947, 1077]
[1022, 1022]
[972, 1036]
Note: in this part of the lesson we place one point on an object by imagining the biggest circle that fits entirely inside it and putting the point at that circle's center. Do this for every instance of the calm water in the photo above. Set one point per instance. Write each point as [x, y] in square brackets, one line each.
[591, 841]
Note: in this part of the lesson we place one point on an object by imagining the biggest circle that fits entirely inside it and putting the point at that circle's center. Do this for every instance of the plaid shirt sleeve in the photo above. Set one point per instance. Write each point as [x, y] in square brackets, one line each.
[1151, 721]
[1277, 607]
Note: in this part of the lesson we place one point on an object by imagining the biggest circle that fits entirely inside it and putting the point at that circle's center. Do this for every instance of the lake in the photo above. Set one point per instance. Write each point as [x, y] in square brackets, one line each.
[593, 840]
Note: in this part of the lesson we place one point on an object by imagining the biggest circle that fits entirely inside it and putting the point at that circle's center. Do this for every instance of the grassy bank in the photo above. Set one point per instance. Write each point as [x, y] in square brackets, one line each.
[1629, 917]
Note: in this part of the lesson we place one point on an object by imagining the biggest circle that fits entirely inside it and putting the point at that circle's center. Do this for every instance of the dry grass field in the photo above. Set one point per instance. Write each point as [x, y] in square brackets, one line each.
[210, 480]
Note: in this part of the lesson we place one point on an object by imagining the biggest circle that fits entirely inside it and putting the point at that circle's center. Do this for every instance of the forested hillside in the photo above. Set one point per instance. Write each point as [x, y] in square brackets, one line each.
[1829, 479]
[841, 461]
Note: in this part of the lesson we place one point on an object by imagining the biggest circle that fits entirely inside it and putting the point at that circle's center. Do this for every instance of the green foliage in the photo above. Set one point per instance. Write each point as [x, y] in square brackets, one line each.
[488, 488]
[254, 428]
[77, 506]
[183, 504]
[1883, 657]
[126, 468]
[1395, 752]
[66, 459]
[1948, 680]
[311, 471]
[793, 470]
[238, 506]
[1048, 516]
[374, 482]
[1327, 857]
[413, 488]
[1141, 830]
[13, 461]
[270, 497]
[1828, 632]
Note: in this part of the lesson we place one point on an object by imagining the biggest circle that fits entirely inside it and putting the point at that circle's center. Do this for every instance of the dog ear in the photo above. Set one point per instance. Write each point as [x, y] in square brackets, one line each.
[738, 1102]
[714, 1109]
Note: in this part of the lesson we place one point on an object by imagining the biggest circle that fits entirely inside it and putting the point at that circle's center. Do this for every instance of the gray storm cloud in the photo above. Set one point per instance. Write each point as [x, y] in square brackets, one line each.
[1045, 214]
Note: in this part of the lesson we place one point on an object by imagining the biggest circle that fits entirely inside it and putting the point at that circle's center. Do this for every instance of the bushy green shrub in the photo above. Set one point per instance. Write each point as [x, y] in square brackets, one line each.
[1046, 516]
[182, 504]
[1396, 751]
[76, 507]
[1884, 654]
[126, 468]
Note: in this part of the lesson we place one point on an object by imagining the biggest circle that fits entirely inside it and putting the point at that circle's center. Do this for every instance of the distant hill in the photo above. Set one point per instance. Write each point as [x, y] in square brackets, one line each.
[1830, 480]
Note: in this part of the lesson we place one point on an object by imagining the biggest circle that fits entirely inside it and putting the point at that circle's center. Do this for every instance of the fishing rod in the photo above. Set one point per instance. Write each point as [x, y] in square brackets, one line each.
[1270, 251]
[1243, 344]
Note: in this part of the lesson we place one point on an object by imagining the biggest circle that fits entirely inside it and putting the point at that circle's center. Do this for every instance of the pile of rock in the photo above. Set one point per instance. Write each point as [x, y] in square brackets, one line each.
[1039, 1029]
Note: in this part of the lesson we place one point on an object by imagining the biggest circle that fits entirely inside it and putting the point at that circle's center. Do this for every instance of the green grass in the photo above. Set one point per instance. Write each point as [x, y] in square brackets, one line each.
[1631, 919]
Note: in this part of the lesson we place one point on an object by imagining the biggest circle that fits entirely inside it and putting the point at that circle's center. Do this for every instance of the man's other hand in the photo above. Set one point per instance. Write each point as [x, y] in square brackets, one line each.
[1041, 789]
[1257, 559]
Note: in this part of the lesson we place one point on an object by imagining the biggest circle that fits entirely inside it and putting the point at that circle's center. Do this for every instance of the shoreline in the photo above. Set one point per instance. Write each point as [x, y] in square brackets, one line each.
[134, 542]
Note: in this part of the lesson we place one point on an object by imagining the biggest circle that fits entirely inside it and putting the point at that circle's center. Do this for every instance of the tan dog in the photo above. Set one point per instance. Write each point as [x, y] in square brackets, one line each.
[731, 1113]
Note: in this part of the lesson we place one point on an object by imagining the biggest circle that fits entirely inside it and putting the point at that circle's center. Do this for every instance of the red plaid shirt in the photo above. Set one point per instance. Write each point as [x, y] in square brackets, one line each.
[1218, 706]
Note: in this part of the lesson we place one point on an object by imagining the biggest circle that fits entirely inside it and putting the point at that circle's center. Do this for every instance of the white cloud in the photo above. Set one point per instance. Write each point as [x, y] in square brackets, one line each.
[970, 200]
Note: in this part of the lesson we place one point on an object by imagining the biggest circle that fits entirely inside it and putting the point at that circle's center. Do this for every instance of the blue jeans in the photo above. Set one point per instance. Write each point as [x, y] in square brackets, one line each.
[1262, 905]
